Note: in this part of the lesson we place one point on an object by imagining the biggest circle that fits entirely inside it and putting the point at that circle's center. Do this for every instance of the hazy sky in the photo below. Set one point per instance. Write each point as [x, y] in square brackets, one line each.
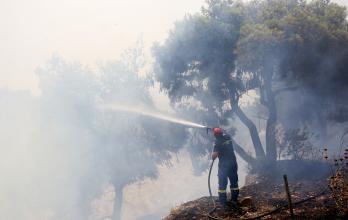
[86, 31]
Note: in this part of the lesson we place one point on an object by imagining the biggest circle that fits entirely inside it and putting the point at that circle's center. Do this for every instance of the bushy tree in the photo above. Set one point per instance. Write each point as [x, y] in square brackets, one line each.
[214, 57]
[132, 145]
[101, 145]
[302, 44]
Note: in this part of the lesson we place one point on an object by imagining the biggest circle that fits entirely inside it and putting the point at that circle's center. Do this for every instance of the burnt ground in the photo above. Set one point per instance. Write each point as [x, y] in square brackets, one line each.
[312, 200]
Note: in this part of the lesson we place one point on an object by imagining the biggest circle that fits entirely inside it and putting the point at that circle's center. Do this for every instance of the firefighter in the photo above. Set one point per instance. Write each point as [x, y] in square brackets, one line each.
[223, 149]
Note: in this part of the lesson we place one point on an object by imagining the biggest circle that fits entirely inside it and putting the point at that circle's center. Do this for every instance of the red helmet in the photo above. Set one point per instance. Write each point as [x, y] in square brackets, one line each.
[217, 131]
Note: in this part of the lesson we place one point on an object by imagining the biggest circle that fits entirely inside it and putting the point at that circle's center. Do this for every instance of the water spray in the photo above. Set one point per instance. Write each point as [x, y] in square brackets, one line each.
[153, 114]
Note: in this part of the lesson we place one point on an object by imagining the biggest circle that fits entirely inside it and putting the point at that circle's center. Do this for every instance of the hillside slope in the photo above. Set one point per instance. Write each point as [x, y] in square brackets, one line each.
[311, 199]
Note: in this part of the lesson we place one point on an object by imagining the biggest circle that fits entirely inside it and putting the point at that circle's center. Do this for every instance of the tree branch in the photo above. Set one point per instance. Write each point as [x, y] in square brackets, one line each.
[290, 88]
[263, 100]
[241, 152]
[260, 153]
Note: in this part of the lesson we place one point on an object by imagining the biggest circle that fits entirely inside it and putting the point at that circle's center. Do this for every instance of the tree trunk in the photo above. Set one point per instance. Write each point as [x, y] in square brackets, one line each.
[117, 212]
[271, 148]
[260, 154]
[267, 98]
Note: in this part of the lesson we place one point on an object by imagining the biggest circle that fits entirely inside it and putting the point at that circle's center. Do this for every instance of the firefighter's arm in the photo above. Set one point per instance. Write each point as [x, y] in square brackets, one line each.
[214, 155]
[215, 151]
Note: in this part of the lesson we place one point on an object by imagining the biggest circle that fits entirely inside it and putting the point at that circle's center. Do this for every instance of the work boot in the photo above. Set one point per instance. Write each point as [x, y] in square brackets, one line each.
[234, 195]
[222, 197]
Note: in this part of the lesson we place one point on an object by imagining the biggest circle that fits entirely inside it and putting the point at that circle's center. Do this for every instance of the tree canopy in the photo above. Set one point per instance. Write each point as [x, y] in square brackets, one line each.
[212, 58]
[118, 148]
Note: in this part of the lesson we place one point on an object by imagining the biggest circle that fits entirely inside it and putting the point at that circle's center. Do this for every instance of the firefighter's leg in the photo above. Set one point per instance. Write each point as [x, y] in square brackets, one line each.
[233, 177]
[222, 174]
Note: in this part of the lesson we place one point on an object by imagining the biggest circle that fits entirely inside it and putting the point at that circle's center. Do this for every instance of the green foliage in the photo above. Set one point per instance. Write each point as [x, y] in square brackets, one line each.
[195, 65]
[210, 59]
[306, 42]
[197, 59]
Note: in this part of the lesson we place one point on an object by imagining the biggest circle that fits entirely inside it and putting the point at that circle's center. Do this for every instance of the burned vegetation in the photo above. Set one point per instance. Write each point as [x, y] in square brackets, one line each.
[264, 198]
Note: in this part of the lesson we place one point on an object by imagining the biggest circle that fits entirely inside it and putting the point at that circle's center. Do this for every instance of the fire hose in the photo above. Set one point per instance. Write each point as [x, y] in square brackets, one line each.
[209, 187]
[210, 194]
[211, 167]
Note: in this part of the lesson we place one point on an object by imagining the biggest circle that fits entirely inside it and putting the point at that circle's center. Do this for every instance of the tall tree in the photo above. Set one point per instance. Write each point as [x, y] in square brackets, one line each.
[197, 65]
[132, 145]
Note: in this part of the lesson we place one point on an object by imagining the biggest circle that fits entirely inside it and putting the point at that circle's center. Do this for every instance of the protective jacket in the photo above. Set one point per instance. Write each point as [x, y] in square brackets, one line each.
[227, 168]
[223, 145]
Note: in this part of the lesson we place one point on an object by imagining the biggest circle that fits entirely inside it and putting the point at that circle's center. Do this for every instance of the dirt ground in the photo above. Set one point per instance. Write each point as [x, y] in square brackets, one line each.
[311, 200]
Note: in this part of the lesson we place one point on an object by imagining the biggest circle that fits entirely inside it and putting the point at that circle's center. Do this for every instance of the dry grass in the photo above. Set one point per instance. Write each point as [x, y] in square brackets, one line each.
[338, 183]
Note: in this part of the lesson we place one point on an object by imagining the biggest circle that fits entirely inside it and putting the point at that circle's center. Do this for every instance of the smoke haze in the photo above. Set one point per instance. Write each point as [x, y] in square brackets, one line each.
[62, 157]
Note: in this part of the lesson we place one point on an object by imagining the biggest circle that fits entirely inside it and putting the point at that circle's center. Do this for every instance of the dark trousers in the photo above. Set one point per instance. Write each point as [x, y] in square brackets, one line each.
[225, 173]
